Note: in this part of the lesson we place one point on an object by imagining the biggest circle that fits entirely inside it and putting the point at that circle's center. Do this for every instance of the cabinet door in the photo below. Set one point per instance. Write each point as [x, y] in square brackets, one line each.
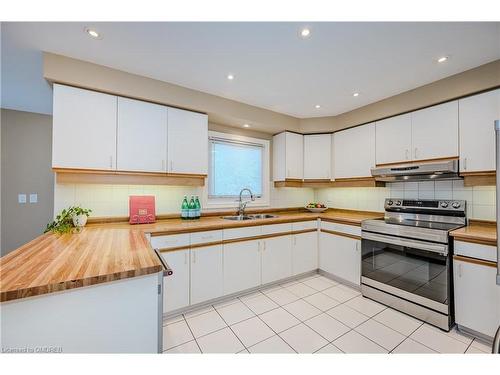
[187, 142]
[341, 256]
[435, 132]
[141, 136]
[393, 139]
[317, 156]
[294, 155]
[276, 258]
[241, 266]
[477, 297]
[354, 151]
[326, 248]
[304, 252]
[84, 129]
[477, 134]
[206, 273]
[176, 286]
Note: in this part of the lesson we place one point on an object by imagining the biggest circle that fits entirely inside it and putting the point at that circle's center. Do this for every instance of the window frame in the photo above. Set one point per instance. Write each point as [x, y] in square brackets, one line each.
[232, 202]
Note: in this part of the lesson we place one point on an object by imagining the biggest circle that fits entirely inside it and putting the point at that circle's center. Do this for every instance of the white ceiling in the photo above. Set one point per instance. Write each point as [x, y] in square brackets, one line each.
[273, 67]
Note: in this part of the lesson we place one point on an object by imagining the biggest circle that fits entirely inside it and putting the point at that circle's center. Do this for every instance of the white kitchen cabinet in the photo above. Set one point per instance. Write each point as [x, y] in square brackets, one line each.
[276, 258]
[242, 266]
[84, 129]
[176, 286]
[354, 151]
[304, 252]
[187, 142]
[317, 156]
[341, 256]
[288, 156]
[141, 136]
[477, 297]
[435, 131]
[393, 140]
[477, 134]
[206, 273]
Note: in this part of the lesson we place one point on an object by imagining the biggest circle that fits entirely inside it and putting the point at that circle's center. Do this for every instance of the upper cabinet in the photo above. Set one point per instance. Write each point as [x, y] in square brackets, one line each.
[317, 156]
[187, 142]
[141, 136]
[84, 129]
[288, 156]
[435, 132]
[393, 139]
[477, 134]
[354, 152]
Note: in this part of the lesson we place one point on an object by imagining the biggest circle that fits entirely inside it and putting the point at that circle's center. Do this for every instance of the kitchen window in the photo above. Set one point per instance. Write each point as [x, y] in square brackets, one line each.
[237, 162]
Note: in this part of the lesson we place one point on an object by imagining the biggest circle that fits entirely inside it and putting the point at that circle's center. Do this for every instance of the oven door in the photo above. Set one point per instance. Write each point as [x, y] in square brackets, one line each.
[415, 270]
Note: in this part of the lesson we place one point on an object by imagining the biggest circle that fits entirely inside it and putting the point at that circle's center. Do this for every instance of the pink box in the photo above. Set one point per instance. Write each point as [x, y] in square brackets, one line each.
[142, 209]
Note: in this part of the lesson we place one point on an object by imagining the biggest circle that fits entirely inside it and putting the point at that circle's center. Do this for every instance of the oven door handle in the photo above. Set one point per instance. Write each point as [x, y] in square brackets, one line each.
[432, 247]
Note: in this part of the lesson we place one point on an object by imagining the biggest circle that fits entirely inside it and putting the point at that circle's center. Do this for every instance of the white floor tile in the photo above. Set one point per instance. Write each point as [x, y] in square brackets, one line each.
[321, 301]
[485, 347]
[474, 350]
[348, 316]
[176, 334]
[188, 348]
[398, 321]
[410, 346]
[353, 342]
[320, 283]
[438, 341]
[303, 339]
[279, 319]
[302, 310]
[223, 341]
[340, 294]
[381, 334]
[244, 351]
[301, 290]
[235, 312]
[281, 296]
[309, 277]
[248, 296]
[327, 326]
[289, 283]
[274, 344]
[196, 312]
[365, 306]
[329, 349]
[173, 319]
[270, 289]
[252, 331]
[260, 304]
[454, 333]
[205, 323]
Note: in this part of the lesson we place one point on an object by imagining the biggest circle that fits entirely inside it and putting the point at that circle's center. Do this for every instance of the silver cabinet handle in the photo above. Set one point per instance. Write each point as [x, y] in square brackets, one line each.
[171, 165]
[465, 164]
[111, 161]
[258, 247]
[295, 240]
[185, 257]
[163, 164]
[459, 269]
[416, 149]
[264, 243]
[194, 256]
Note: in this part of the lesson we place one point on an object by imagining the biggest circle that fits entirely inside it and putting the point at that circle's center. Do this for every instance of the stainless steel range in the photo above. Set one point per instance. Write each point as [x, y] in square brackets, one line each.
[406, 257]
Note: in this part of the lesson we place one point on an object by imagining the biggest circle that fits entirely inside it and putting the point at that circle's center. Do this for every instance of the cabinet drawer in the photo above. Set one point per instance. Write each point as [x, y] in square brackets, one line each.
[474, 250]
[206, 237]
[303, 225]
[343, 228]
[277, 228]
[170, 241]
[229, 234]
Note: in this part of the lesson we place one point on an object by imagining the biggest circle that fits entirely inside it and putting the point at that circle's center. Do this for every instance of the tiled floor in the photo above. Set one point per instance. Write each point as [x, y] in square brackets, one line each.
[309, 315]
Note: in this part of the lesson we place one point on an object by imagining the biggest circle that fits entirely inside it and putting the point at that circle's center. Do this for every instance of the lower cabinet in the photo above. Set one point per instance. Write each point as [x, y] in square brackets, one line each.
[276, 258]
[340, 256]
[477, 296]
[304, 252]
[206, 273]
[241, 266]
[176, 286]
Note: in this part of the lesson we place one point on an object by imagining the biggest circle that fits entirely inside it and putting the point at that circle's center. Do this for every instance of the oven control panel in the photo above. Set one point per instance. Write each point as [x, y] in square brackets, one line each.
[400, 204]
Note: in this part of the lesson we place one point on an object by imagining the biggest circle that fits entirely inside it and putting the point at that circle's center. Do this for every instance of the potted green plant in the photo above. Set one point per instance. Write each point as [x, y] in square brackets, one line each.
[68, 219]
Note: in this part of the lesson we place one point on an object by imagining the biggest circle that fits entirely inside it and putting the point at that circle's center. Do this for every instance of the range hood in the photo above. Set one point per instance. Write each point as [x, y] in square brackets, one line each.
[436, 170]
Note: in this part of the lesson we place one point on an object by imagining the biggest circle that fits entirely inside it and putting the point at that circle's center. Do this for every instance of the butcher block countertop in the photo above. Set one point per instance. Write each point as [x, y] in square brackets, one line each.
[481, 232]
[112, 251]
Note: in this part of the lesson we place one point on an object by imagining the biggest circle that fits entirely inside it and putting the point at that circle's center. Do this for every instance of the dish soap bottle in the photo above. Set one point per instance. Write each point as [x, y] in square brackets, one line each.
[185, 209]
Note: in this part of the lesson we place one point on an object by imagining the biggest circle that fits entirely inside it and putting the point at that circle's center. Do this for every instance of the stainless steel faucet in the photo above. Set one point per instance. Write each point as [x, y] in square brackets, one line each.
[242, 205]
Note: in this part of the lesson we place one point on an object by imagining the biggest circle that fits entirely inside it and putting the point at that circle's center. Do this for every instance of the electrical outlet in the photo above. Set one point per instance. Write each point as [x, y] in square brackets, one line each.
[34, 198]
[21, 198]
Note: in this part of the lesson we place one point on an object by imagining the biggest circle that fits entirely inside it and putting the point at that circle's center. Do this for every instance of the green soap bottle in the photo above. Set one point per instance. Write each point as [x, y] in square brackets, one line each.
[192, 208]
[185, 209]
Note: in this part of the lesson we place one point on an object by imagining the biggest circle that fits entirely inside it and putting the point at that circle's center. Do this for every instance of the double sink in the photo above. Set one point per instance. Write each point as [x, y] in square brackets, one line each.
[249, 217]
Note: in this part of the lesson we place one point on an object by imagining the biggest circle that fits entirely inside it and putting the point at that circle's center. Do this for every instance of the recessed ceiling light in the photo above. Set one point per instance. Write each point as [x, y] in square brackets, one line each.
[442, 59]
[93, 33]
[317, 106]
[230, 77]
[246, 125]
[305, 32]
[355, 94]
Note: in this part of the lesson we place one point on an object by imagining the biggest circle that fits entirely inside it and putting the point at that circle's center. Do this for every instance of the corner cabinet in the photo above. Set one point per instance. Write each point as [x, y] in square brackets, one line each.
[84, 129]
[288, 156]
[317, 156]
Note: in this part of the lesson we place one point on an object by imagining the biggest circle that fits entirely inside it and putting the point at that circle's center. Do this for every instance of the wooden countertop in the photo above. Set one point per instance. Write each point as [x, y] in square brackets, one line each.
[481, 232]
[114, 251]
